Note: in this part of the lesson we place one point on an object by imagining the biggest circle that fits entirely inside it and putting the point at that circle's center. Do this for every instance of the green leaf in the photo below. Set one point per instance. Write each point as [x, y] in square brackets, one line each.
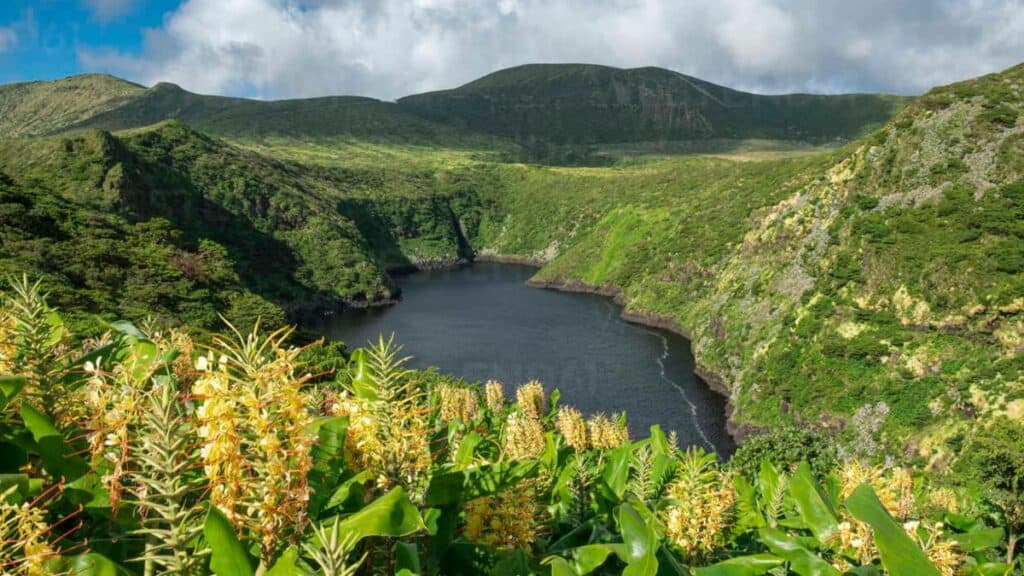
[616, 470]
[464, 485]
[753, 565]
[96, 565]
[52, 449]
[10, 387]
[512, 563]
[407, 558]
[21, 493]
[393, 514]
[979, 539]
[464, 456]
[328, 457]
[900, 555]
[145, 358]
[801, 560]
[641, 542]
[349, 489]
[287, 564]
[584, 559]
[227, 555]
[814, 511]
[362, 383]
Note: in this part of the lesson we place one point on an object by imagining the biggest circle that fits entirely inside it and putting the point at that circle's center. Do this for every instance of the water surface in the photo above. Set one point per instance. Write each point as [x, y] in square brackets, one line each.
[482, 321]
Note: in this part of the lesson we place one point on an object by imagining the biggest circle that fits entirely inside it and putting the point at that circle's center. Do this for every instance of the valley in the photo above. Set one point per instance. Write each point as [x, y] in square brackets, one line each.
[833, 282]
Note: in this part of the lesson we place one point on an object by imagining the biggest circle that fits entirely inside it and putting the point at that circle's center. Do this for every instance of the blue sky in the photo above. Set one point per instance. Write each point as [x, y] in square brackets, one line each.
[390, 48]
[49, 33]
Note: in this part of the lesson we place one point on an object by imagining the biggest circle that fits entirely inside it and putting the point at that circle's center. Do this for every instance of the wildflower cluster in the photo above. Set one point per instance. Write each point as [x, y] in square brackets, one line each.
[494, 393]
[256, 433]
[25, 546]
[458, 403]
[508, 519]
[389, 419]
[600, 432]
[702, 499]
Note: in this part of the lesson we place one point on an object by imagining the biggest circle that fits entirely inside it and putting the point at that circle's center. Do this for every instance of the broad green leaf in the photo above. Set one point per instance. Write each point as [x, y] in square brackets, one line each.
[659, 443]
[990, 569]
[145, 357]
[900, 555]
[362, 384]
[467, 446]
[979, 539]
[390, 515]
[407, 558]
[561, 567]
[351, 487]
[457, 486]
[801, 560]
[641, 542]
[128, 329]
[52, 449]
[328, 457]
[287, 565]
[753, 565]
[96, 565]
[748, 511]
[814, 511]
[616, 470]
[227, 555]
[584, 560]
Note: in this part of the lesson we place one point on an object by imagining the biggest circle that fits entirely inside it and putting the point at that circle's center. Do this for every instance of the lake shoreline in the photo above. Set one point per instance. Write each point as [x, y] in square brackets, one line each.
[738, 432]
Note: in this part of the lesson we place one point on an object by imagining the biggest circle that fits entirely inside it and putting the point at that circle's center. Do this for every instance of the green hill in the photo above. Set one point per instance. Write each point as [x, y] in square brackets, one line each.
[586, 104]
[889, 275]
[94, 101]
[33, 108]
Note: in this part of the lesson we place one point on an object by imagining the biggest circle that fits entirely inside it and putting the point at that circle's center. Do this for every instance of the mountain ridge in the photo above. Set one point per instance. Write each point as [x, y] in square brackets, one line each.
[621, 105]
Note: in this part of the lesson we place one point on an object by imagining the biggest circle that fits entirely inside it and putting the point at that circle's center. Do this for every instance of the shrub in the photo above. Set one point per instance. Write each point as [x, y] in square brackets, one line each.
[787, 446]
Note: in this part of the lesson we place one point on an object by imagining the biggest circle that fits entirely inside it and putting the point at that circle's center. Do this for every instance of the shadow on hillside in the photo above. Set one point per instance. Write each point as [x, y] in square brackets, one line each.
[266, 265]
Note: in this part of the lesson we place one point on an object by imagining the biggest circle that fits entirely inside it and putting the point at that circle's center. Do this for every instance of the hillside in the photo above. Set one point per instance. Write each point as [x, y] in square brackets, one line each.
[586, 104]
[94, 101]
[877, 292]
[33, 108]
[224, 225]
[535, 106]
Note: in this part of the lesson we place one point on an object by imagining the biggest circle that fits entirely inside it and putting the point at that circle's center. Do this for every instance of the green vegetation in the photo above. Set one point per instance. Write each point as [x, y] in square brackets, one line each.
[873, 292]
[585, 104]
[32, 108]
[147, 453]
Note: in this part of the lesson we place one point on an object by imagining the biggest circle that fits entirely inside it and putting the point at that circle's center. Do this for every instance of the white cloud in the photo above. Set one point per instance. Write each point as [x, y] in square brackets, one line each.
[389, 48]
[106, 10]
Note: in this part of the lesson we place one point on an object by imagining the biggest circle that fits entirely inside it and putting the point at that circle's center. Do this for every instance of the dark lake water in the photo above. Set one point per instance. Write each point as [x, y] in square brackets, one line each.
[482, 321]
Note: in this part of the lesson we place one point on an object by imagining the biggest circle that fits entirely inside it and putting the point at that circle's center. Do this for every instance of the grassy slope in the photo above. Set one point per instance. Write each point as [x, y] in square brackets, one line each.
[890, 272]
[43, 107]
[586, 104]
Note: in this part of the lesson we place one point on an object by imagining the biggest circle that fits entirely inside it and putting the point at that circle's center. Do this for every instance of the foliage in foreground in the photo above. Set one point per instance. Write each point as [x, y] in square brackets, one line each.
[143, 452]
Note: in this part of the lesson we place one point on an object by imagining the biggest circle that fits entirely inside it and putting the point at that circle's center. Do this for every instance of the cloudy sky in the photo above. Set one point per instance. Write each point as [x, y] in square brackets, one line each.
[389, 48]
